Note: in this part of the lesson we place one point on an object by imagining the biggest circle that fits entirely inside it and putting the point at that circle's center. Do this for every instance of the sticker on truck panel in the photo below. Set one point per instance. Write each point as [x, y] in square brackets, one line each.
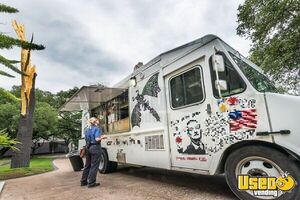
[266, 186]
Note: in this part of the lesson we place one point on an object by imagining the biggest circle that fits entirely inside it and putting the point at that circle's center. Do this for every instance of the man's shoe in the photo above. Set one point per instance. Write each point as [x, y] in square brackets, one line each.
[93, 185]
[83, 183]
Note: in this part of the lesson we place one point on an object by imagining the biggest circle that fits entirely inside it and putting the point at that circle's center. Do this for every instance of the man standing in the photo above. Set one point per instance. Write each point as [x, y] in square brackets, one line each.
[93, 137]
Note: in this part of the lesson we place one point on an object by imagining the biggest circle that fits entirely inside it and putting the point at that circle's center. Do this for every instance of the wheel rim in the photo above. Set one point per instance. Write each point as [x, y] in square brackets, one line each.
[101, 165]
[259, 166]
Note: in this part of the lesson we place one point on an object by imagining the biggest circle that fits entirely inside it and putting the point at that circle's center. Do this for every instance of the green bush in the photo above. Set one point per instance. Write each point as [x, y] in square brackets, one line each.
[6, 141]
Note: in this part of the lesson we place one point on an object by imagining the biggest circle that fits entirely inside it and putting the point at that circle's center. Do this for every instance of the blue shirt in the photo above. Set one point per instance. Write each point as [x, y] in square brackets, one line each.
[91, 133]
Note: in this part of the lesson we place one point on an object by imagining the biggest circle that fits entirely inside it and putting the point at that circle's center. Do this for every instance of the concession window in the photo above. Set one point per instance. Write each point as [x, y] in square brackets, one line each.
[109, 105]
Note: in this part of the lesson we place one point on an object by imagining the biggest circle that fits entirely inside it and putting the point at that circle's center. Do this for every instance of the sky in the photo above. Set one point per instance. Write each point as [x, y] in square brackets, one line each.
[100, 41]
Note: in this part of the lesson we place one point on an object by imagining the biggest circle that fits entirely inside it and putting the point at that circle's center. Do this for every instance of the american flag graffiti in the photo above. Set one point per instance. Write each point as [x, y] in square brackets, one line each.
[243, 119]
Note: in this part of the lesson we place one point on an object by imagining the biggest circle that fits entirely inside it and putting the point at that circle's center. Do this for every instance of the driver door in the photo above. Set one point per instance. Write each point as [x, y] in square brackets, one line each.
[186, 104]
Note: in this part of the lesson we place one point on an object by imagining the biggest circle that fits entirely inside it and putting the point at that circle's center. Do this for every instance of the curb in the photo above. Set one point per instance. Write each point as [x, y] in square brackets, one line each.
[2, 183]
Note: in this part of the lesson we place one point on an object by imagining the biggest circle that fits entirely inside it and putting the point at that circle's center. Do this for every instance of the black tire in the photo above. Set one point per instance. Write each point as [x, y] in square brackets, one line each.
[106, 166]
[234, 162]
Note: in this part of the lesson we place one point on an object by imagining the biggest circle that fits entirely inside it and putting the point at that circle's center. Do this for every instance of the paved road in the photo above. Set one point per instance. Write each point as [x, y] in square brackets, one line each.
[128, 183]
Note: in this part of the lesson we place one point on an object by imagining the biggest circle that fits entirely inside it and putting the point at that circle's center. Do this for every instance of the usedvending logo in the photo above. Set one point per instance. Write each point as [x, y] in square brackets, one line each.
[266, 186]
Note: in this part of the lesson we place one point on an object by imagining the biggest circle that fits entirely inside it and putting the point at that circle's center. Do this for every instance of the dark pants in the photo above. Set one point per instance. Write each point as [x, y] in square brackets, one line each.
[91, 164]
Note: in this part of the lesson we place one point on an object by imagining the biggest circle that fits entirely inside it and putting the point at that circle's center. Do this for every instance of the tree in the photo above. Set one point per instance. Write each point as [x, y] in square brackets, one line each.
[69, 123]
[9, 115]
[28, 74]
[69, 127]
[274, 29]
[7, 42]
[25, 130]
[45, 122]
[63, 96]
[7, 97]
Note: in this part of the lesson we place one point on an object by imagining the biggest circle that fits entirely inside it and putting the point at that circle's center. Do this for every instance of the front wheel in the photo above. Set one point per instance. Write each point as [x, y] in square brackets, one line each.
[262, 163]
[105, 165]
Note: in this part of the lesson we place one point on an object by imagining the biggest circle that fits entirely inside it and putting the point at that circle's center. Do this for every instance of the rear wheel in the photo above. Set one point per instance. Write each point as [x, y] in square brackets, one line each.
[106, 166]
[259, 161]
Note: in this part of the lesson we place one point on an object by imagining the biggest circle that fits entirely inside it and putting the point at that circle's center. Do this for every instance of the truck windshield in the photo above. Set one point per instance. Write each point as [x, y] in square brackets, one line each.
[259, 81]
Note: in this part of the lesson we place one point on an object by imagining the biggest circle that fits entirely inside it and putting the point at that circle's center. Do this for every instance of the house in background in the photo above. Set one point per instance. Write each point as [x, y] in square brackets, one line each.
[47, 147]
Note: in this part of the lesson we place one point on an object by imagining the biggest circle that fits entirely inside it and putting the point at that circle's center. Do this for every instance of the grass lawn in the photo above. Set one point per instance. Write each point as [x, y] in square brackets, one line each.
[37, 165]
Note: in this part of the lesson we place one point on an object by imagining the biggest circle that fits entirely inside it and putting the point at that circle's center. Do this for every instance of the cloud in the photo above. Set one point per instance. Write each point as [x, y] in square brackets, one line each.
[100, 41]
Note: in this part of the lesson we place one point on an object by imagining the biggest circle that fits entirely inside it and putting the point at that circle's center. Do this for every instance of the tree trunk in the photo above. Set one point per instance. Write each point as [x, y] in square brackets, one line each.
[22, 158]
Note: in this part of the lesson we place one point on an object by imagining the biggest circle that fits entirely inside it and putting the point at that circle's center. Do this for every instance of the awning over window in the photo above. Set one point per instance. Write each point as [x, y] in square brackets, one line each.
[89, 97]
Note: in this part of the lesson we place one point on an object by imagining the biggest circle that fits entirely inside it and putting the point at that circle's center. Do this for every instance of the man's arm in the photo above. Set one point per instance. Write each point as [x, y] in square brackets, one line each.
[99, 136]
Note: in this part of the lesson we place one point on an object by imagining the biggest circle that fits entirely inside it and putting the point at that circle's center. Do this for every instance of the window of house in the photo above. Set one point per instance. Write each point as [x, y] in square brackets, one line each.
[235, 83]
[186, 88]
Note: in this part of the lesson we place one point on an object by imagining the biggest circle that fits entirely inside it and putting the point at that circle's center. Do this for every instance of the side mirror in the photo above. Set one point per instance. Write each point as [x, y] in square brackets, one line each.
[222, 84]
[218, 63]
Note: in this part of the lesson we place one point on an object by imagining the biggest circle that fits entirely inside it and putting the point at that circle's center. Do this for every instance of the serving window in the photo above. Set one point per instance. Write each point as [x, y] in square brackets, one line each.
[114, 114]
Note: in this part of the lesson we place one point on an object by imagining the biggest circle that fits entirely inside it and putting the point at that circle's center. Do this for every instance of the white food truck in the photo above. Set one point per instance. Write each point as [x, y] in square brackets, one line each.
[200, 108]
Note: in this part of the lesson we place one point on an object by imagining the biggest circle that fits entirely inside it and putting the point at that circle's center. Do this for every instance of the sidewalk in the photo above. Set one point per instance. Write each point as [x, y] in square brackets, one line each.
[52, 185]
[127, 183]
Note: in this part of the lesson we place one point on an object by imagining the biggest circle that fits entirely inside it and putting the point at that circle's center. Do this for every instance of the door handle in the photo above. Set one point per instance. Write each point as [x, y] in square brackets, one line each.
[208, 109]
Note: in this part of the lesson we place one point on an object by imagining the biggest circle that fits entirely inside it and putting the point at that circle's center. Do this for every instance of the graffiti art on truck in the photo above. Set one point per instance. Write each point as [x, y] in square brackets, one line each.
[193, 130]
[235, 121]
[151, 89]
[188, 135]
[217, 135]
[241, 112]
[242, 119]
